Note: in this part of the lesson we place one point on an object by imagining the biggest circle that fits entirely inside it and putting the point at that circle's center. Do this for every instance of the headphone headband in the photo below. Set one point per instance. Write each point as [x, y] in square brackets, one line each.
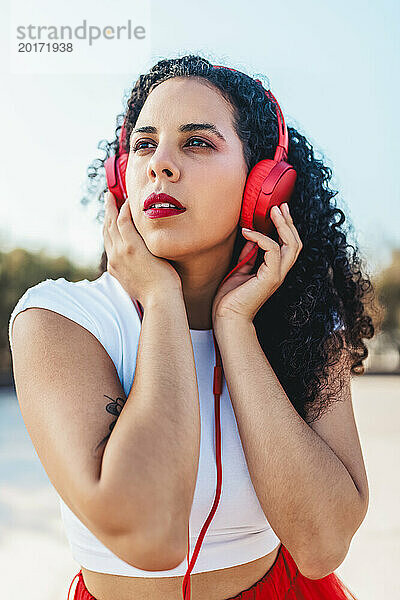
[282, 149]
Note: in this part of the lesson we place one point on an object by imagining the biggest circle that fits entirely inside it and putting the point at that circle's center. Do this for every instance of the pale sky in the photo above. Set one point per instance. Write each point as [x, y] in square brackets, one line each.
[333, 67]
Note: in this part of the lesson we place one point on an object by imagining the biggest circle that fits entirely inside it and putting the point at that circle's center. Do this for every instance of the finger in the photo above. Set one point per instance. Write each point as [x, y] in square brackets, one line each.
[287, 257]
[124, 211]
[109, 202]
[125, 222]
[263, 241]
[108, 207]
[108, 244]
[111, 218]
[286, 213]
[272, 255]
[107, 216]
[290, 247]
[282, 226]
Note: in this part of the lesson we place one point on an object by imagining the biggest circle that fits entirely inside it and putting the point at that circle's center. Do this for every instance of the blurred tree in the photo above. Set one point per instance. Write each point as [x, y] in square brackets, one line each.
[388, 289]
[20, 270]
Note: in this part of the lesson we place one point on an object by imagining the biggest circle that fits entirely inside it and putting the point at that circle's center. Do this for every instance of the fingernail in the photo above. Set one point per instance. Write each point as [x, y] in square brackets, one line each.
[246, 230]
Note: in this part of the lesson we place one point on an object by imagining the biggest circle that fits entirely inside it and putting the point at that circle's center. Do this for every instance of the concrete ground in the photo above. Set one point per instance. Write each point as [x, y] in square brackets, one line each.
[35, 557]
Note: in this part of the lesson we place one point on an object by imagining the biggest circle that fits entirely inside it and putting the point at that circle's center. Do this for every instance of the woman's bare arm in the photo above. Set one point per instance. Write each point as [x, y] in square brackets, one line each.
[134, 492]
[150, 462]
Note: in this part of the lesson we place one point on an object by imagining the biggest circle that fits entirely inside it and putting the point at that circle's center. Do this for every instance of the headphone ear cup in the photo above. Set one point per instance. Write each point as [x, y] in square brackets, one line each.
[269, 183]
[252, 191]
[115, 176]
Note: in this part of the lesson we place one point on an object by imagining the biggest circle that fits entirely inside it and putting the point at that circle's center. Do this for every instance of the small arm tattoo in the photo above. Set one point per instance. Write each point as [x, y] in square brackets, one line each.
[114, 408]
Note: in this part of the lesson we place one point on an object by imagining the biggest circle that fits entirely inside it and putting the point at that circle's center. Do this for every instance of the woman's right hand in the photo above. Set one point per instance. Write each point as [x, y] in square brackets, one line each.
[129, 260]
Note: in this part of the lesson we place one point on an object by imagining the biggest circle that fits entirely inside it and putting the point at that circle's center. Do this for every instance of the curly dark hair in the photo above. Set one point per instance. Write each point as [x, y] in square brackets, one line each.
[297, 327]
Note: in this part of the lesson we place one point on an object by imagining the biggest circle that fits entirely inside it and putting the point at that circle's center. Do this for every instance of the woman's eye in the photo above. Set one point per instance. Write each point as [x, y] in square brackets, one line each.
[199, 140]
[139, 145]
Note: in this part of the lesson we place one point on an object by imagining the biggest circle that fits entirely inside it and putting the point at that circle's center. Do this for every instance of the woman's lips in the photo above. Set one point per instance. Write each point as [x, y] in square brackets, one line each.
[155, 213]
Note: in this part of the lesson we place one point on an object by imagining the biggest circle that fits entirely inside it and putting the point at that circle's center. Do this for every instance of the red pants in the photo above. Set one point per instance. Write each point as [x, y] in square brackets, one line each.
[283, 581]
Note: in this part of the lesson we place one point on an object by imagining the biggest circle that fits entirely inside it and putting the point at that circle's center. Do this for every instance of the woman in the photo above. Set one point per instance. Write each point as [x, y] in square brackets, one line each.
[289, 326]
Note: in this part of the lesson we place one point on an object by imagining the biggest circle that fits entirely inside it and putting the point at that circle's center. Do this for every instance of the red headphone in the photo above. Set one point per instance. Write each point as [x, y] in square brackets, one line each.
[269, 183]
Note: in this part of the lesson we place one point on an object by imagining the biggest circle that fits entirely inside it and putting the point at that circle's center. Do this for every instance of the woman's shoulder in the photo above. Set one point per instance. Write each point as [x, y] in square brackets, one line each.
[94, 304]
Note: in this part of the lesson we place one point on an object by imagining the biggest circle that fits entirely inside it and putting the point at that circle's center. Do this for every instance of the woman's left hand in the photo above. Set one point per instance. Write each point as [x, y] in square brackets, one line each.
[243, 294]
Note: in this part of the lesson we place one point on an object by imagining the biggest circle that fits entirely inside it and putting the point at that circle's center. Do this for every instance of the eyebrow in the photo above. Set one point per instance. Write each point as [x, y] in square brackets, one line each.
[183, 128]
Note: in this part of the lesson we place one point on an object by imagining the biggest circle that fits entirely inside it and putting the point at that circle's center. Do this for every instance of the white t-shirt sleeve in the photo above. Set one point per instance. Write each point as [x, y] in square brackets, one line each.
[57, 296]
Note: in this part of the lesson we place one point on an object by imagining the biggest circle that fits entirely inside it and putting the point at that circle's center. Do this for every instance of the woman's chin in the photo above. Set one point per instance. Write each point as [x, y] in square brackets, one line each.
[167, 247]
[164, 251]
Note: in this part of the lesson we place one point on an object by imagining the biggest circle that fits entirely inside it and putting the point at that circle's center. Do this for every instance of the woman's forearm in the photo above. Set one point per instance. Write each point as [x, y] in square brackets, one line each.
[305, 491]
[150, 461]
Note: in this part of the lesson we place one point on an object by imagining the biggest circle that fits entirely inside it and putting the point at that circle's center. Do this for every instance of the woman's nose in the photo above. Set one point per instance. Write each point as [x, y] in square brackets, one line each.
[162, 164]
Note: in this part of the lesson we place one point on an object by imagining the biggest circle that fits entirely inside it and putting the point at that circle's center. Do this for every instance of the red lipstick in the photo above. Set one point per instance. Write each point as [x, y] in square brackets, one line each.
[161, 199]
[155, 213]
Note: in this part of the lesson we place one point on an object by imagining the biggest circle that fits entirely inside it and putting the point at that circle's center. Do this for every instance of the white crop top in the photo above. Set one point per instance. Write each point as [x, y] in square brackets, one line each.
[239, 531]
